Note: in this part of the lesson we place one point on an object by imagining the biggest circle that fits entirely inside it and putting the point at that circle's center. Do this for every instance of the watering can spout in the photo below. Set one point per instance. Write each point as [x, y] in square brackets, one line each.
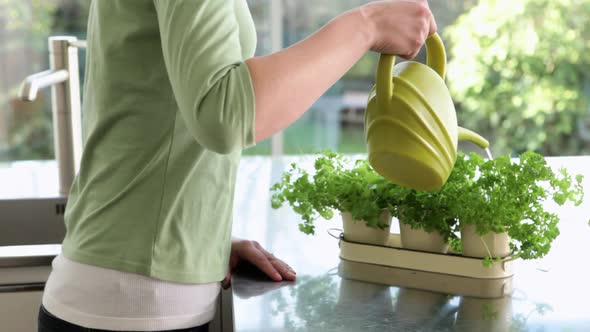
[468, 135]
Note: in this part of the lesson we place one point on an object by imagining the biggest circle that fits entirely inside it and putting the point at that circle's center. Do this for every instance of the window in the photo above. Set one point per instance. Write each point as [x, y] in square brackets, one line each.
[26, 128]
[520, 91]
[518, 74]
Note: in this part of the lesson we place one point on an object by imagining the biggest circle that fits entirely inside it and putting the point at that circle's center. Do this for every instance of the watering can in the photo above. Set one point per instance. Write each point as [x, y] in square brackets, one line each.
[410, 123]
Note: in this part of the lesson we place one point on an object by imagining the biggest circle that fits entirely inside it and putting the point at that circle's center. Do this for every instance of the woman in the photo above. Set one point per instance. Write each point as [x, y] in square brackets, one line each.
[173, 95]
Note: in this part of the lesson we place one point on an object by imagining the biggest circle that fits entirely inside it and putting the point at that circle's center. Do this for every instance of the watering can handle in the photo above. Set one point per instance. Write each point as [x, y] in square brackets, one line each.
[436, 58]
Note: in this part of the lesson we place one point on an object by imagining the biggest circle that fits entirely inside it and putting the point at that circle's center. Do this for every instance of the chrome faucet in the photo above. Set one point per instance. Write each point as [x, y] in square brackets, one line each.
[33, 83]
[64, 80]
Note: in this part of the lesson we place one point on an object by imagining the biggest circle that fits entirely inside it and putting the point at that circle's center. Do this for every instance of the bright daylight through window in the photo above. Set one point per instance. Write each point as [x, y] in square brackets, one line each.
[509, 81]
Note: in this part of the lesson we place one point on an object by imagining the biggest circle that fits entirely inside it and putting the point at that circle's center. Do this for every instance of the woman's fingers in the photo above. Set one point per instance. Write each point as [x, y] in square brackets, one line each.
[254, 253]
[272, 266]
[284, 270]
[260, 259]
[227, 280]
[433, 26]
[399, 27]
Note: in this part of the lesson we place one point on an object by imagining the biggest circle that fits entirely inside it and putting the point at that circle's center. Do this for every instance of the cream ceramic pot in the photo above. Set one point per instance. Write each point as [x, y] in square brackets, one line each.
[410, 122]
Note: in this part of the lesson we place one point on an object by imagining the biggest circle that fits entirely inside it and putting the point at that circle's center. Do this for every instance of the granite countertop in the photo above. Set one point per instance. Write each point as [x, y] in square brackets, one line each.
[548, 295]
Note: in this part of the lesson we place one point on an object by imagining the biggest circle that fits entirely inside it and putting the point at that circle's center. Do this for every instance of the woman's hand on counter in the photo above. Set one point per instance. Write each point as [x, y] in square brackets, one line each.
[254, 253]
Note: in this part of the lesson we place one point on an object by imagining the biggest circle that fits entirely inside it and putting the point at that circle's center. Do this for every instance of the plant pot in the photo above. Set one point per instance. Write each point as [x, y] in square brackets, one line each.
[474, 245]
[419, 239]
[358, 231]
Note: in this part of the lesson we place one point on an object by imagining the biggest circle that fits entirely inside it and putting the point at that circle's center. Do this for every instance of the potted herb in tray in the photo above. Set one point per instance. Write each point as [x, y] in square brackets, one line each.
[498, 205]
[427, 220]
[367, 203]
[337, 186]
[503, 211]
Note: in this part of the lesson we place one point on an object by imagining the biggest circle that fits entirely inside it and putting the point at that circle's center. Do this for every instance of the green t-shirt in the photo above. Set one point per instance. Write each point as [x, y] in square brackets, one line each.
[168, 107]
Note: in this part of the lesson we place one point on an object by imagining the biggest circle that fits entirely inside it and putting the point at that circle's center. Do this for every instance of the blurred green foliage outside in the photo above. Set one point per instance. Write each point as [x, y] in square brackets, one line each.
[519, 71]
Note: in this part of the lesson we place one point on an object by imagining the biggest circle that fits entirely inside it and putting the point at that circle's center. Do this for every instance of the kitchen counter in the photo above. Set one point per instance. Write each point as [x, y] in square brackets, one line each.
[551, 294]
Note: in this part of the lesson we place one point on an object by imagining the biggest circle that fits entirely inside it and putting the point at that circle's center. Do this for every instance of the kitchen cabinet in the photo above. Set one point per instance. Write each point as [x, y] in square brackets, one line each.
[19, 310]
[23, 273]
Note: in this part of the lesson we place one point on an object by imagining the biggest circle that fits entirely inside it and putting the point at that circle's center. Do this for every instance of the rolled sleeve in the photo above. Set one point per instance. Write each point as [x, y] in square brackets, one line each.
[212, 85]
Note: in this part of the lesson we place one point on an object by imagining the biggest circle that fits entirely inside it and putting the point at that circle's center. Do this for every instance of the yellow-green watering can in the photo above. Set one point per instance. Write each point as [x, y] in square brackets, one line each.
[410, 123]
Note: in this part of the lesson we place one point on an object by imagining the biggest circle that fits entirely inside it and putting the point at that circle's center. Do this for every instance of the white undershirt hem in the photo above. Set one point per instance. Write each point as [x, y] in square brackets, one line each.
[106, 299]
[125, 324]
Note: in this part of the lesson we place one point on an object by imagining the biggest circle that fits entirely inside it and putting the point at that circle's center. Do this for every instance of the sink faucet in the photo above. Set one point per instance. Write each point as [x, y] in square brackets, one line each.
[33, 83]
[63, 78]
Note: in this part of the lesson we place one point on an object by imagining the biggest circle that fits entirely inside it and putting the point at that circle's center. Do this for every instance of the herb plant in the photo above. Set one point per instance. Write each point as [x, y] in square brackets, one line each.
[498, 195]
[334, 186]
[435, 211]
[361, 191]
[509, 196]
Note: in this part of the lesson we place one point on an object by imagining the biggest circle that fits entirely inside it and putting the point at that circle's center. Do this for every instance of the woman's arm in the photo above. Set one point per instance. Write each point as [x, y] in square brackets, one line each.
[288, 82]
[227, 104]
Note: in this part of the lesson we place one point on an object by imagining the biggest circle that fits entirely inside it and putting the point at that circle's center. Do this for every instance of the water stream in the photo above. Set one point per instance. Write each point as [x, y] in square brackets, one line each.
[489, 153]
